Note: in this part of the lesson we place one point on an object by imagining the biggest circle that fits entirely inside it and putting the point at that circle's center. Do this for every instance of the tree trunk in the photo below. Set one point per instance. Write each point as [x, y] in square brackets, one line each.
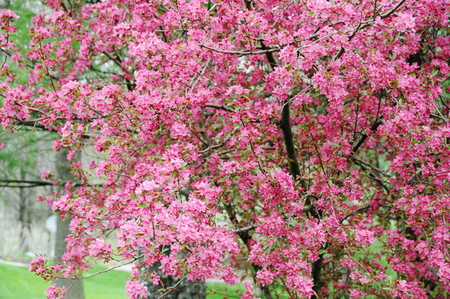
[184, 290]
[23, 221]
[62, 230]
[5, 4]
[24, 216]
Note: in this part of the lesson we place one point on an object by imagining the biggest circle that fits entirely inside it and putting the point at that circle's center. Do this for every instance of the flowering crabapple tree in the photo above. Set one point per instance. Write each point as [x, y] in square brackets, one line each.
[309, 138]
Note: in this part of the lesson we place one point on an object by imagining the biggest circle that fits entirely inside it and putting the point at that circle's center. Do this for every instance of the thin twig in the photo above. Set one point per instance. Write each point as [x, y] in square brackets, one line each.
[364, 24]
[392, 10]
[171, 288]
[244, 229]
[32, 183]
[221, 107]
[197, 78]
[242, 53]
[114, 267]
[358, 161]
[116, 61]
[374, 127]
[219, 145]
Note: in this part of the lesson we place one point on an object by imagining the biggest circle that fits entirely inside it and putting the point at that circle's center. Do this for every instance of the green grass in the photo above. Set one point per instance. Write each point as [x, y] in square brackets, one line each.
[221, 291]
[106, 285]
[17, 282]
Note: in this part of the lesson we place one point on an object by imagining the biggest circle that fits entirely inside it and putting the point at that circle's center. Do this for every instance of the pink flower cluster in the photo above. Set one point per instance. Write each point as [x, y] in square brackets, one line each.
[307, 140]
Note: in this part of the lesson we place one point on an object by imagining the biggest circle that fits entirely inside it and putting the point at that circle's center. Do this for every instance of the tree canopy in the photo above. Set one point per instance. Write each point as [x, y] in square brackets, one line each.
[309, 138]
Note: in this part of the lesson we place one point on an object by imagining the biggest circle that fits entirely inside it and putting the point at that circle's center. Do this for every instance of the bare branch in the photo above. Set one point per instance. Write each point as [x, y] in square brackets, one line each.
[219, 145]
[383, 16]
[244, 229]
[358, 161]
[242, 53]
[221, 107]
[197, 78]
[170, 289]
[33, 123]
[26, 182]
[117, 62]
[374, 127]
[285, 126]
[378, 121]
[32, 183]
[114, 267]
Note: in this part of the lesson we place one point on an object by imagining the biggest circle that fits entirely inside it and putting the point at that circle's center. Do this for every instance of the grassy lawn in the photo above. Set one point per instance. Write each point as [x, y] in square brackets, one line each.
[220, 291]
[16, 282]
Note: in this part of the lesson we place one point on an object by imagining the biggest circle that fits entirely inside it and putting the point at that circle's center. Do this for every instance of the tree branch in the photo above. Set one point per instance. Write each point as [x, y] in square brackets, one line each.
[244, 229]
[117, 62]
[112, 268]
[220, 144]
[374, 127]
[242, 53]
[383, 16]
[221, 107]
[380, 95]
[364, 164]
[24, 183]
[269, 55]
[197, 78]
[34, 124]
[285, 126]
[361, 162]
[32, 183]
[364, 24]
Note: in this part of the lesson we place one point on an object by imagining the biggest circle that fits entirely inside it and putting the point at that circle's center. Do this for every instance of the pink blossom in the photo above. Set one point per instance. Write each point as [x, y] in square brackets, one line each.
[357, 293]
[6, 13]
[364, 236]
[265, 276]
[291, 135]
[248, 294]
[100, 248]
[155, 278]
[136, 290]
[46, 174]
[38, 265]
[53, 292]
[405, 21]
